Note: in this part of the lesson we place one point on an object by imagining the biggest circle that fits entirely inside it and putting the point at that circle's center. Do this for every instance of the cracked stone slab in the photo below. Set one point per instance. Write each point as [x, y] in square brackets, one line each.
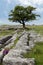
[14, 57]
[19, 61]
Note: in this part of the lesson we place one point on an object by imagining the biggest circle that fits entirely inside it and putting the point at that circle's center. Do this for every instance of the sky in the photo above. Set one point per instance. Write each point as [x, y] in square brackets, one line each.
[7, 5]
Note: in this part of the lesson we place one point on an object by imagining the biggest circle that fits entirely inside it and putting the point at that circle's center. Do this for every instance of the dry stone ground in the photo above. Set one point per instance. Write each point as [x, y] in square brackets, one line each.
[14, 57]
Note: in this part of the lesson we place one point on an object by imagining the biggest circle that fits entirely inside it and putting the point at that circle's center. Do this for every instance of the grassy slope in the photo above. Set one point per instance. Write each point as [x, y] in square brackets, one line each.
[37, 53]
[38, 29]
[6, 32]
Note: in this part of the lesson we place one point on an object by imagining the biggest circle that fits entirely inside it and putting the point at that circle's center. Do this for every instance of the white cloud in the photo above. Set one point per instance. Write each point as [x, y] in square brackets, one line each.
[31, 2]
[39, 10]
[12, 1]
[9, 1]
[38, 2]
[26, 2]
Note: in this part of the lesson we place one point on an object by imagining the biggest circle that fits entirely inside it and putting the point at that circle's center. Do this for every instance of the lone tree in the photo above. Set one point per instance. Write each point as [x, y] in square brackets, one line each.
[22, 14]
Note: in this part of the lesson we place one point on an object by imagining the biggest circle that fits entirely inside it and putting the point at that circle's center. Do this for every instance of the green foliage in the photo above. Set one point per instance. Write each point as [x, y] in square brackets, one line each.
[22, 14]
[37, 53]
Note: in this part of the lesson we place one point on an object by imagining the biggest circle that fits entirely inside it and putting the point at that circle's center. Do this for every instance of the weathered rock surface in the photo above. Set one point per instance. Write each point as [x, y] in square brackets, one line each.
[10, 43]
[1, 54]
[36, 37]
[4, 39]
[14, 38]
[14, 57]
[19, 61]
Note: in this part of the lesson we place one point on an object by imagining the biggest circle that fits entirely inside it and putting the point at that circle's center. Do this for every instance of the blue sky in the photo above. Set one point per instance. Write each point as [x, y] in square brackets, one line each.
[7, 5]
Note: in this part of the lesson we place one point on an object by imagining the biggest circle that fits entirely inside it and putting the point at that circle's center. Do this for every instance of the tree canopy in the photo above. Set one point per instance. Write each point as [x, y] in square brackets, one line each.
[22, 14]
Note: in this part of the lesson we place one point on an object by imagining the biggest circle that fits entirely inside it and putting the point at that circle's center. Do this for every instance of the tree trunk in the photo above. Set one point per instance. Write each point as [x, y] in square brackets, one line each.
[23, 25]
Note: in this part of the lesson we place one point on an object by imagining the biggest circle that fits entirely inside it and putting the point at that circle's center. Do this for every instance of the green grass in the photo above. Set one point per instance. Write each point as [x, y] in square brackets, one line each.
[37, 53]
[6, 32]
[38, 29]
